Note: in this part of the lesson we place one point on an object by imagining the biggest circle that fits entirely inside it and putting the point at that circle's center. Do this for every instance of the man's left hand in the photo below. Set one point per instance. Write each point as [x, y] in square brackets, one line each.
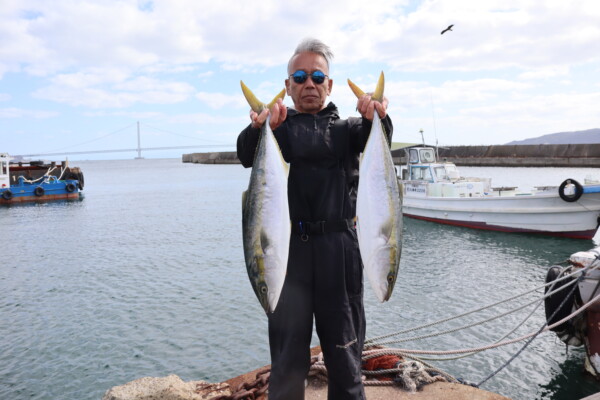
[366, 106]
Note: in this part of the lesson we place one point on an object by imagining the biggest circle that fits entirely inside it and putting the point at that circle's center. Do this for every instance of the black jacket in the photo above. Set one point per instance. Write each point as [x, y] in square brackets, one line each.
[323, 151]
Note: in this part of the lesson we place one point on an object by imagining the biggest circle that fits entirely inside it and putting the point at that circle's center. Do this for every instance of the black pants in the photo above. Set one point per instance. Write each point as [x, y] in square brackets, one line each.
[324, 279]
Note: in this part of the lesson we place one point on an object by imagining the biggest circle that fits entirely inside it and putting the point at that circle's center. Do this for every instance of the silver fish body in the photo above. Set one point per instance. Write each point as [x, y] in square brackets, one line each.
[266, 227]
[379, 213]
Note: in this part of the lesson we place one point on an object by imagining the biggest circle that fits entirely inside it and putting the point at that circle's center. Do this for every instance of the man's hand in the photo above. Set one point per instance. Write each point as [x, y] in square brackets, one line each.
[278, 115]
[366, 106]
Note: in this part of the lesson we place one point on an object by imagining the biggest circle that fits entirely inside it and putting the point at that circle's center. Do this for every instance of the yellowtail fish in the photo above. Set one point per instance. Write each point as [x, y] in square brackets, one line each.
[266, 226]
[378, 207]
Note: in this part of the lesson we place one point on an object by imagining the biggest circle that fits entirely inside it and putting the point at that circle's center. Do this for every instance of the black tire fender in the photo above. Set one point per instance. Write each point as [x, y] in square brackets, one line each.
[80, 179]
[70, 187]
[578, 190]
[553, 302]
[39, 191]
[7, 194]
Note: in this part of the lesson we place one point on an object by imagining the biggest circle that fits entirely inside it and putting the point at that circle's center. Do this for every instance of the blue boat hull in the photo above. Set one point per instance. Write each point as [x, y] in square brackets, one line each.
[46, 191]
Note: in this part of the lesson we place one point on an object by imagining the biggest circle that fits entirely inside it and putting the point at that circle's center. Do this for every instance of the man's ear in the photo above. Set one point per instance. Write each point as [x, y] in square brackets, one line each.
[287, 87]
[329, 86]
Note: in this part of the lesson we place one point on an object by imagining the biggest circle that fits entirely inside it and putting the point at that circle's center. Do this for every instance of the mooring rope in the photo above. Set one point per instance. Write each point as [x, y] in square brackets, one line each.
[507, 342]
[481, 322]
[440, 321]
[497, 341]
[506, 363]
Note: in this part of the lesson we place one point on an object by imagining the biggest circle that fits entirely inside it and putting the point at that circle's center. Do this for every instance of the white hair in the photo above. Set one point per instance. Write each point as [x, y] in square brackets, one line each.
[310, 45]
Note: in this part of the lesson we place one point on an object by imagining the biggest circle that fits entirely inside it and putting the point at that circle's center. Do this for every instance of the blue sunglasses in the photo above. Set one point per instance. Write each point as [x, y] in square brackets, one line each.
[317, 77]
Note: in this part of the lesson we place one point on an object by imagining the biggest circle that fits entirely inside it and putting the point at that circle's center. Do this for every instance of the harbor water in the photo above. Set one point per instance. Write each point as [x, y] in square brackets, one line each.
[145, 277]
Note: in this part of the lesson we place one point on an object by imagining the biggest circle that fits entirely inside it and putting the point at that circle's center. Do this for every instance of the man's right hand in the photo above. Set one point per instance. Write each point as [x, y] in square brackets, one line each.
[278, 115]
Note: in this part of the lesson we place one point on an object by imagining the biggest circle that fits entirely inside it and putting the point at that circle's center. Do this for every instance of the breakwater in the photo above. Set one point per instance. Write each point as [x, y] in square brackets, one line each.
[225, 157]
[539, 155]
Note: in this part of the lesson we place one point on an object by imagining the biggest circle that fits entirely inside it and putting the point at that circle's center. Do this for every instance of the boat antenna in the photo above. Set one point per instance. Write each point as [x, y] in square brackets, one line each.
[437, 155]
[422, 139]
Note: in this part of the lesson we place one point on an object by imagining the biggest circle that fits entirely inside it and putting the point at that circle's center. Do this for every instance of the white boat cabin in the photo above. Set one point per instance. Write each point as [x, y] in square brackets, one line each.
[425, 176]
[423, 166]
[4, 171]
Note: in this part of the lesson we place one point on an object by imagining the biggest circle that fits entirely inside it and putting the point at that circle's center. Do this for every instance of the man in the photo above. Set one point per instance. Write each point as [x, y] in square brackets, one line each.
[324, 272]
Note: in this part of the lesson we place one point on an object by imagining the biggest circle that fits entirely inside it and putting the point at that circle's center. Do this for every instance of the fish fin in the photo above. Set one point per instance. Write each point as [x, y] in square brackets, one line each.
[378, 93]
[387, 228]
[280, 95]
[255, 104]
[264, 240]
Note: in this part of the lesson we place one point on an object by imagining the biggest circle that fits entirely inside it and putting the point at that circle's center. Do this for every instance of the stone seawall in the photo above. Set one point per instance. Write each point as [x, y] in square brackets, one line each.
[543, 155]
[227, 157]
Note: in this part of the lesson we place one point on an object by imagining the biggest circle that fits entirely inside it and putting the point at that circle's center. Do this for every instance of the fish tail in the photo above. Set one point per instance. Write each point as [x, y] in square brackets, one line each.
[255, 104]
[377, 94]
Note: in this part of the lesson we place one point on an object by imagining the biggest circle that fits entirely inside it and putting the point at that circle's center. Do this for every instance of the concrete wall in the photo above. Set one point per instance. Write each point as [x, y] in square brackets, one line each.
[543, 155]
[229, 157]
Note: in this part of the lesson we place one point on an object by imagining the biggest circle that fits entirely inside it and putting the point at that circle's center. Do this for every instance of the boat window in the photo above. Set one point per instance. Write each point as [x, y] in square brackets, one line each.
[413, 156]
[3, 168]
[427, 155]
[440, 173]
[421, 174]
[452, 172]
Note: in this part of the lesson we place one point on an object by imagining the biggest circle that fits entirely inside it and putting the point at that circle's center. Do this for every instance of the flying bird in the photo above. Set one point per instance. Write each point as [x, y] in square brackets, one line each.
[447, 29]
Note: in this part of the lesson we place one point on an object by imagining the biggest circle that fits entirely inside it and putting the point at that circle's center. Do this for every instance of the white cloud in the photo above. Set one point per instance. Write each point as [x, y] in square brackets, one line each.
[487, 35]
[507, 65]
[22, 113]
[206, 74]
[112, 90]
[208, 119]
[219, 100]
[134, 115]
[545, 73]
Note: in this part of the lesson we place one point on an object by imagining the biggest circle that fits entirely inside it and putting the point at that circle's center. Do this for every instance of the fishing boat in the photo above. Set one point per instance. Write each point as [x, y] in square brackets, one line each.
[435, 191]
[37, 181]
[573, 311]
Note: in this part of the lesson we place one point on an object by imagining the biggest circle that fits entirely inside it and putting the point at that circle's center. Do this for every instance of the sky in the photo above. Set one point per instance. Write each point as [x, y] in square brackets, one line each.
[83, 75]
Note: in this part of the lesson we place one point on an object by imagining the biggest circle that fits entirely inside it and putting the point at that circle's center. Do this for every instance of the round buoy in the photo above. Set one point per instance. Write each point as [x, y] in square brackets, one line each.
[39, 191]
[7, 194]
[570, 198]
[70, 187]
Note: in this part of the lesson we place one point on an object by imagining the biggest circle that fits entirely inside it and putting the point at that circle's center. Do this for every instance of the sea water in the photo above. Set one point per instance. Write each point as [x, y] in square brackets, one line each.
[145, 277]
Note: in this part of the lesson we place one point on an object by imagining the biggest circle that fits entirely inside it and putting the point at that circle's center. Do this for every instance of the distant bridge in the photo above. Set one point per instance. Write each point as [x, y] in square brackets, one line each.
[138, 149]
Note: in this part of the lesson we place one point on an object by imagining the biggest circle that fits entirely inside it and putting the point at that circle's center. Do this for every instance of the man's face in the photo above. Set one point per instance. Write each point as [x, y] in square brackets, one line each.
[308, 97]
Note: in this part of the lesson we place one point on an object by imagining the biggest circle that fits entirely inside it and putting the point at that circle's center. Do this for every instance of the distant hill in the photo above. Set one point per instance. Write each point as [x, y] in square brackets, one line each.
[577, 137]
